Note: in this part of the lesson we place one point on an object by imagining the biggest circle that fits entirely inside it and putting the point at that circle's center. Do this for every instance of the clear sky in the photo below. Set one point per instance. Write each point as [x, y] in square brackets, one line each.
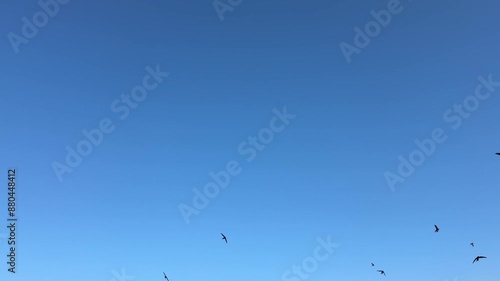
[321, 175]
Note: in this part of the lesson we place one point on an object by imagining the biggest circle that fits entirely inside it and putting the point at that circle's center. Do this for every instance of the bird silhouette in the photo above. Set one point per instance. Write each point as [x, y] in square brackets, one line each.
[472, 244]
[224, 237]
[498, 153]
[165, 276]
[477, 258]
[382, 272]
[437, 228]
[373, 264]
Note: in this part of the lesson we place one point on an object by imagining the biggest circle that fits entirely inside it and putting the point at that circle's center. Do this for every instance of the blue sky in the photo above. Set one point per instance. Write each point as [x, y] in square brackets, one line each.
[322, 176]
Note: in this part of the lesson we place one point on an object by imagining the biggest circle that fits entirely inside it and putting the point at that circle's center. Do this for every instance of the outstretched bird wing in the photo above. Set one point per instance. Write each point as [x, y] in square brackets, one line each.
[165, 276]
[477, 258]
[224, 237]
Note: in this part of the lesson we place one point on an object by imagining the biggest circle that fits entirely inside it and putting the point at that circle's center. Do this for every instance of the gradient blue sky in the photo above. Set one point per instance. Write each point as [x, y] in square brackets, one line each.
[322, 176]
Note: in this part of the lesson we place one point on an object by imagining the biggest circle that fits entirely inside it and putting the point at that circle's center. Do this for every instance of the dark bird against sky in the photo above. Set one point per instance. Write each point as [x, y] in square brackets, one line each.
[437, 228]
[477, 258]
[472, 244]
[165, 276]
[382, 272]
[224, 237]
[373, 264]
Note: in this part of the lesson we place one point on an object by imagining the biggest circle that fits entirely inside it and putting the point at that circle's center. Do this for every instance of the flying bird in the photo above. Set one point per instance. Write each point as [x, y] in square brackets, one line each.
[382, 272]
[224, 237]
[165, 276]
[477, 258]
[373, 264]
[437, 228]
[472, 244]
[498, 153]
